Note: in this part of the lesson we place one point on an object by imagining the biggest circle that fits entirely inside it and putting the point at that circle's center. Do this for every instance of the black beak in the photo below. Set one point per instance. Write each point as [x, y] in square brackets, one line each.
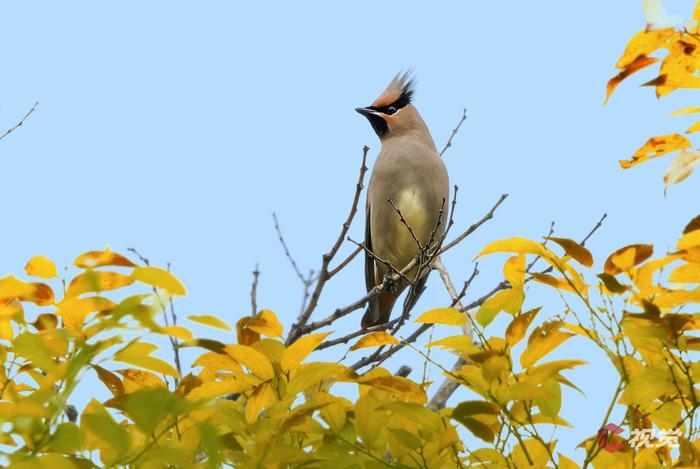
[364, 111]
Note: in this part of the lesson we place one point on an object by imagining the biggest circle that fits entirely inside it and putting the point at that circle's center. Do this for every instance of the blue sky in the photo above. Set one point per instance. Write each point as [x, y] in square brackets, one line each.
[178, 128]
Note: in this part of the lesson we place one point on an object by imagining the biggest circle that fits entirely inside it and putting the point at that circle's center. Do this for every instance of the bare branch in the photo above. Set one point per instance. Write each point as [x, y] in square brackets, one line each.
[595, 228]
[345, 339]
[254, 291]
[475, 226]
[341, 312]
[406, 224]
[347, 260]
[457, 300]
[324, 275]
[393, 269]
[403, 371]
[20, 123]
[454, 131]
[448, 387]
[286, 249]
[378, 357]
[138, 254]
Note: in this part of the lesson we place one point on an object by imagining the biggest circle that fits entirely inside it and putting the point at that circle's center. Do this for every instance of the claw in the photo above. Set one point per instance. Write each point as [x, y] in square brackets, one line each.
[390, 285]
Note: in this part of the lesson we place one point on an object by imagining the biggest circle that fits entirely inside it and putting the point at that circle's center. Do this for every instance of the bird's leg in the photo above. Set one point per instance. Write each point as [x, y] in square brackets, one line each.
[390, 285]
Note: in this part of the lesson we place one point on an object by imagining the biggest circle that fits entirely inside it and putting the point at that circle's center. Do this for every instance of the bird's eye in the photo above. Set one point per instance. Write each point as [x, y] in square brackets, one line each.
[391, 110]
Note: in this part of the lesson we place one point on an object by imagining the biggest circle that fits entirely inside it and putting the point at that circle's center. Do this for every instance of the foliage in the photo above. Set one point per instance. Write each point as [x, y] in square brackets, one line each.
[679, 69]
[259, 403]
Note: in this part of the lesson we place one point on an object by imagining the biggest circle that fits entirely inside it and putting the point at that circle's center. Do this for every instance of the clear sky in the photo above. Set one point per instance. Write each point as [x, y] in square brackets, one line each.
[178, 128]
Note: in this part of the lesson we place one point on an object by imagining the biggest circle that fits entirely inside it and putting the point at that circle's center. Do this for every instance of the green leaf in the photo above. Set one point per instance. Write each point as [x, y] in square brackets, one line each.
[150, 407]
[66, 439]
[550, 406]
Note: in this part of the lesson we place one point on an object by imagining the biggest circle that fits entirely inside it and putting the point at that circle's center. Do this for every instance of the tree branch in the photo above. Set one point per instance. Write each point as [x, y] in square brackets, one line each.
[454, 131]
[324, 274]
[20, 123]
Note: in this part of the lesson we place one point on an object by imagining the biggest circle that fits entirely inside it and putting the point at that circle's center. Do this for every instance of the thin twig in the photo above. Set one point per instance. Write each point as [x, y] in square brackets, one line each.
[454, 132]
[341, 312]
[254, 291]
[595, 228]
[345, 339]
[475, 226]
[457, 300]
[20, 123]
[324, 275]
[286, 249]
[347, 260]
[393, 269]
[406, 224]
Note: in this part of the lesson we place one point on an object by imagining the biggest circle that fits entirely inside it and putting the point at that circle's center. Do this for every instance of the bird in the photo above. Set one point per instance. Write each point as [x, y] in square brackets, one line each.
[408, 176]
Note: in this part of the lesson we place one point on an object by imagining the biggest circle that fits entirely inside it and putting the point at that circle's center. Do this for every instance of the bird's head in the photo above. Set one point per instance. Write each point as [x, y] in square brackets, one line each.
[392, 113]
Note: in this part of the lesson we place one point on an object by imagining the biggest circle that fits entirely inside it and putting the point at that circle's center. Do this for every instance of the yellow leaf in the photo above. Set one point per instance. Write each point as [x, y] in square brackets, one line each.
[509, 300]
[75, 310]
[160, 278]
[310, 374]
[256, 362]
[97, 281]
[575, 250]
[627, 257]
[265, 323]
[216, 389]
[656, 147]
[459, 343]
[514, 271]
[112, 381]
[640, 62]
[686, 273]
[40, 266]
[300, 349]
[92, 259]
[138, 354]
[689, 240]
[518, 327]
[37, 293]
[374, 339]
[176, 331]
[218, 362]
[681, 167]
[685, 110]
[402, 388]
[552, 281]
[262, 398]
[209, 320]
[244, 335]
[543, 340]
[446, 316]
[138, 379]
[519, 246]
[693, 128]
[644, 43]
[646, 387]
[526, 392]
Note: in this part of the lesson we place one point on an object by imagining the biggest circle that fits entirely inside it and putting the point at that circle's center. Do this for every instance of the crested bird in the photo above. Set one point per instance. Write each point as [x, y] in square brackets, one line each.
[408, 176]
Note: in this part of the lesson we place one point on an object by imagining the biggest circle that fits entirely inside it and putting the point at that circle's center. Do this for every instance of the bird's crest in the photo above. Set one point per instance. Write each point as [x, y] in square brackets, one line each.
[400, 89]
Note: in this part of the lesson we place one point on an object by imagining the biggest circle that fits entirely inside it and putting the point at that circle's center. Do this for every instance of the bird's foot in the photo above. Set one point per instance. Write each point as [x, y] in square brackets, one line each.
[390, 285]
